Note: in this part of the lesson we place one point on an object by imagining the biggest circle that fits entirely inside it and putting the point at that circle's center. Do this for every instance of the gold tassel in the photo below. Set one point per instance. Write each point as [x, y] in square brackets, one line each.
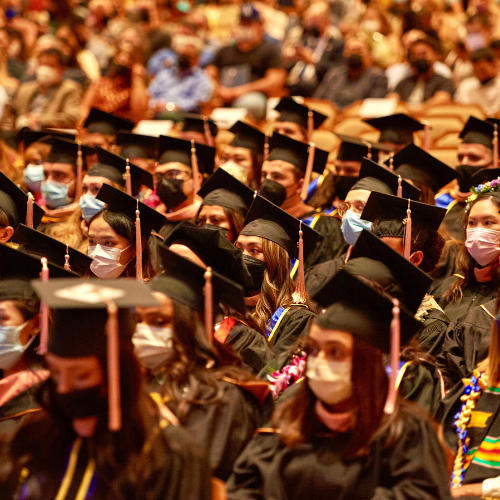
[113, 355]
[495, 146]
[407, 240]
[400, 187]
[266, 148]
[128, 179]
[369, 146]
[300, 294]
[44, 312]
[209, 305]
[79, 172]
[310, 125]
[29, 211]
[194, 168]
[390, 403]
[309, 169]
[66, 259]
[138, 244]
[391, 161]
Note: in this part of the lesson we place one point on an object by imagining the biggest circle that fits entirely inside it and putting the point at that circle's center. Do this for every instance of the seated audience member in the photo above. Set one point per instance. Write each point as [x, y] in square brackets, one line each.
[49, 101]
[184, 85]
[483, 88]
[355, 81]
[251, 69]
[310, 50]
[425, 87]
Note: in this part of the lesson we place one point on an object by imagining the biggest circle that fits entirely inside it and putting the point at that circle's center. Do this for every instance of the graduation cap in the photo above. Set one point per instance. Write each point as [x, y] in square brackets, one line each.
[354, 149]
[15, 202]
[120, 202]
[184, 281]
[196, 123]
[114, 168]
[37, 243]
[137, 146]
[266, 220]
[412, 281]
[485, 175]
[291, 111]
[18, 289]
[92, 318]
[172, 149]
[29, 136]
[248, 137]
[354, 307]
[64, 151]
[396, 129]
[224, 190]
[100, 122]
[413, 163]
[375, 177]
[213, 248]
[478, 131]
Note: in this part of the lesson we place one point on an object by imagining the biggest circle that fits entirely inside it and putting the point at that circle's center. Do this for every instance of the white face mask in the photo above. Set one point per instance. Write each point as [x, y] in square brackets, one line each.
[106, 261]
[11, 348]
[152, 345]
[483, 245]
[45, 75]
[330, 381]
[237, 171]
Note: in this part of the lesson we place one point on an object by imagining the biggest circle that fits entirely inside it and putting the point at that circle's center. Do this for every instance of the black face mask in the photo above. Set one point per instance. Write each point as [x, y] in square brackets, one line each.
[223, 230]
[343, 185]
[465, 173]
[170, 192]
[355, 61]
[311, 31]
[422, 66]
[256, 268]
[80, 404]
[273, 191]
[183, 62]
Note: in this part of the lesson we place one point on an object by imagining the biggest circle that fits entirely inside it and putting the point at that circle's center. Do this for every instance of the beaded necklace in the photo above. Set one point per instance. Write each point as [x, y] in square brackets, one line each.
[473, 390]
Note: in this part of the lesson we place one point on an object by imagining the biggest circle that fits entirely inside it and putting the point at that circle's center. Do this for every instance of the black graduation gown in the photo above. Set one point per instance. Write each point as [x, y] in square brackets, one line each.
[414, 468]
[223, 429]
[257, 351]
[474, 295]
[319, 275]
[330, 245]
[431, 337]
[466, 343]
[181, 471]
[453, 220]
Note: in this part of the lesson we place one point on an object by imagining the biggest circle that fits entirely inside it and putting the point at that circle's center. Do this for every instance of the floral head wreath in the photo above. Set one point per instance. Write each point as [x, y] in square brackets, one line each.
[488, 187]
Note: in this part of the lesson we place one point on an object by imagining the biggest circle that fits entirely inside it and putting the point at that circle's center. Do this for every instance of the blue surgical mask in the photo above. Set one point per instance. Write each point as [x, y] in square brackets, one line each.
[56, 194]
[352, 225]
[90, 206]
[32, 177]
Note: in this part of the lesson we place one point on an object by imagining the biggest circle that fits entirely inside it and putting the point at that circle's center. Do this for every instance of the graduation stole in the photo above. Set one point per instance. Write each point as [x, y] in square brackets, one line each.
[274, 322]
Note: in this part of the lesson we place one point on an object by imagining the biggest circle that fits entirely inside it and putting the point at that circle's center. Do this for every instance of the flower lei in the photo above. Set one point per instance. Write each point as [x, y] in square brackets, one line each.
[475, 385]
[288, 375]
[488, 187]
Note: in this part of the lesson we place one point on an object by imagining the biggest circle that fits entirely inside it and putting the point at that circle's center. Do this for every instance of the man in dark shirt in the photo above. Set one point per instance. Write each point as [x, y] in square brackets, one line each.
[356, 81]
[424, 88]
[251, 69]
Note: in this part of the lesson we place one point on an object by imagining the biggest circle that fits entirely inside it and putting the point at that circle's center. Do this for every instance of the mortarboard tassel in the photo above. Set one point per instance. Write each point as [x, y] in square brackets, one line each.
[138, 244]
[208, 134]
[44, 312]
[392, 393]
[113, 351]
[266, 149]
[369, 146]
[427, 135]
[495, 146]
[66, 259]
[391, 160]
[209, 304]
[29, 211]
[300, 294]
[194, 168]
[400, 187]
[309, 168]
[310, 125]
[128, 179]
[79, 172]
[407, 240]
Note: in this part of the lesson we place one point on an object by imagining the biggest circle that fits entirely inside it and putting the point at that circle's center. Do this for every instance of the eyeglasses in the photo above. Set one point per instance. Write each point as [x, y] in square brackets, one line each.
[172, 174]
[357, 207]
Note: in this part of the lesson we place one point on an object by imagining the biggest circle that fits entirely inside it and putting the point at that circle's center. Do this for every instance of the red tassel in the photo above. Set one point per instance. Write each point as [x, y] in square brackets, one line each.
[44, 312]
[29, 211]
[300, 294]
[138, 244]
[266, 148]
[209, 305]
[66, 259]
[310, 125]
[208, 134]
[79, 172]
[390, 402]
[194, 168]
[309, 168]
[113, 351]
[495, 146]
[128, 179]
[400, 187]
[407, 240]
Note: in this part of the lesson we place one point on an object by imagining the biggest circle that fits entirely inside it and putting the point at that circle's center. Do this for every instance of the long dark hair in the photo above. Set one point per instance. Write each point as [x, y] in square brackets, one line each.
[465, 264]
[125, 228]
